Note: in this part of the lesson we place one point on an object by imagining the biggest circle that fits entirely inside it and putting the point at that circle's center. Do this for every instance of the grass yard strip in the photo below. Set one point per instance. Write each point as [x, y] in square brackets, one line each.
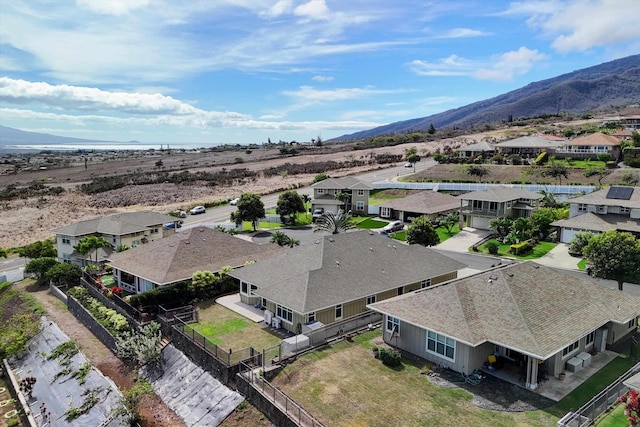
[369, 224]
[400, 235]
[615, 418]
[229, 330]
[443, 234]
[345, 385]
[594, 385]
[247, 226]
[503, 250]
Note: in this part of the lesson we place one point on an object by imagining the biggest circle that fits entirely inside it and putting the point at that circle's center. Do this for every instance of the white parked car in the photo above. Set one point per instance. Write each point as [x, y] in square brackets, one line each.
[408, 165]
[234, 202]
[198, 210]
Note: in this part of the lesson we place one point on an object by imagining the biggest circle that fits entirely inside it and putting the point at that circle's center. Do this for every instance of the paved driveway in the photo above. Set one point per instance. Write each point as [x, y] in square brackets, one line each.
[559, 257]
[462, 241]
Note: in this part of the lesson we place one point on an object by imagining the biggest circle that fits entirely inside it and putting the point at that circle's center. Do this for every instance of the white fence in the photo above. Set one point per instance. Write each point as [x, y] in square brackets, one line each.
[475, 186]
[12, 275]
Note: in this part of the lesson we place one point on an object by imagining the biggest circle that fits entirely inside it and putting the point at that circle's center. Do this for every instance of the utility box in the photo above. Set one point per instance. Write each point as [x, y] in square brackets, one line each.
[294, 344]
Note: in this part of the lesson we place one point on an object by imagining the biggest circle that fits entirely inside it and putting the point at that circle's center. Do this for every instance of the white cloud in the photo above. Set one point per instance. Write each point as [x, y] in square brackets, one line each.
[310, 94]
[321, 78]
[500, 67]
[112, 7]
[579, 25]
[315, 9]
[85, 98]
[279, 8]
[510, 64]
[457, 33]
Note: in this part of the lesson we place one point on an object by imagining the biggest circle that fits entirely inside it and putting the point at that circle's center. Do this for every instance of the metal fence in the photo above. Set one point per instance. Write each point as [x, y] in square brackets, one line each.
[284, 403]
[337, 329]
[229, 358]
[187, 314]
[588, 413]
[475, 186]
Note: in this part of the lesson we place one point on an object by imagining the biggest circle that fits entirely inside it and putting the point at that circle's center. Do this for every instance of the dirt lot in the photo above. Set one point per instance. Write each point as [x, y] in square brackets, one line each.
[25, 221]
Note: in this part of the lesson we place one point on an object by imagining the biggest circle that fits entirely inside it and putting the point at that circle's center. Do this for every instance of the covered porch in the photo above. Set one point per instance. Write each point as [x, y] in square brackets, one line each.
[532, 375]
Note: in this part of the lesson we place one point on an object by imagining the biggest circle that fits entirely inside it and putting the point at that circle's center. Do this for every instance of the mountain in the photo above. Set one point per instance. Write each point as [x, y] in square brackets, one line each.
[11, 136]
[612, 84]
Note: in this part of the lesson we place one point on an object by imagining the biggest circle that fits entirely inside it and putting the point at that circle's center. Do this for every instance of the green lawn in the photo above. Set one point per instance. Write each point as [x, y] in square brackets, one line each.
[581, 164]
[615, 418]
[247, 226]
[595, 384]
[503, 250]
[344, 385]
[370, 223]
[229, 330]
[380, 196]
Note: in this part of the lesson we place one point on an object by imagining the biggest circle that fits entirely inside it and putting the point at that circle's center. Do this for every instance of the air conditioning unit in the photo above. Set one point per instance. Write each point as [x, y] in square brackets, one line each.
[268, 315]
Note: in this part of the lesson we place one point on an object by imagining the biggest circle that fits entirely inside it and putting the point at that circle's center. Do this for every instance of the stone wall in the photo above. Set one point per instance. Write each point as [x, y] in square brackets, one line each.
[264, 405]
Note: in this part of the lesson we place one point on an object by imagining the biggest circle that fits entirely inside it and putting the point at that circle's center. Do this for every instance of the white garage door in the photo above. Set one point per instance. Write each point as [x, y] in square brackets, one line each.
[568, 234]
[480, 222]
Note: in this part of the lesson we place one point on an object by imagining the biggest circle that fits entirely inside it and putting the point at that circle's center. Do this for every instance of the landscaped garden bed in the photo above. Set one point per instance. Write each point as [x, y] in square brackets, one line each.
[504, 249]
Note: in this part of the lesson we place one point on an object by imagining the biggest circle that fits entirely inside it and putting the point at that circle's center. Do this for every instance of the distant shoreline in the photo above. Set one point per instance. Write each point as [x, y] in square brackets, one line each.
[93, 147]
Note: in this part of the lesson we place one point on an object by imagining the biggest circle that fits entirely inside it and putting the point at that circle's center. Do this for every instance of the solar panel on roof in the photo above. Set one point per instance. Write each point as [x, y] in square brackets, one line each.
[620, 193]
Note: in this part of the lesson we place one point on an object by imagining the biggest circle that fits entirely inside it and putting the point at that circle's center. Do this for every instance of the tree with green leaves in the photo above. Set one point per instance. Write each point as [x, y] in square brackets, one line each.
[90, 244]
[411, 156]
[522, 227]
[40, 267]
[543, 217]
[614, 255]
[140, 348]
[281, 239]
[421, 232]
[477, 171]
[502, 226]
[3, 253]
[249, 208]
[320, 177]
[333, 223]
[431, 129]
[556, 170]
[343, 198]
[39, 249]
[64, 274]
[600, 172]
[202, 279]
[449, 221]
[290, 203]
[579, 242]
[549, 200]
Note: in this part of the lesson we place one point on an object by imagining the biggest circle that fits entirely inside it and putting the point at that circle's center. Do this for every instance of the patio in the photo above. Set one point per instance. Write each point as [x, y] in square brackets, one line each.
[554, 388]
[233, 303]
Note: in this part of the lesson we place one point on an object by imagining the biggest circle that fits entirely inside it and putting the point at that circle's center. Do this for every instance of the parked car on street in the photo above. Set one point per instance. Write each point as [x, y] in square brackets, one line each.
[317, 213]
[172, 225]
[393, 226]
[198, 210]
[234, 202]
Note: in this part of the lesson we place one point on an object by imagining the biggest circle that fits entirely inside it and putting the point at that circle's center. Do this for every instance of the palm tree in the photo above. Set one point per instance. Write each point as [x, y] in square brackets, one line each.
[343, 198]
[333, 223]
[91, 244]
[501, 225]
[523, 227]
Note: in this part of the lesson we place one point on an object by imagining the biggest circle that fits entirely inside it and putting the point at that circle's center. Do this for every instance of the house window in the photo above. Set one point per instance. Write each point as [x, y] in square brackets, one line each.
[401, 290]
[569, 349]
[311, 317]
[632, 323]
[425, 283]
[590, 338]
[244, 288]
[154, 231]
[371, 299]
[66, 258]
[359, 206]
[393, 325]
[338, 311]
[320, 190]
[509, 204]
[625, 209]
[66, 240]
[284, 313]
[360, 192]
[477, 205]
[385, 212]
[493, 206]
[441, 345]
[602, 209]
[582, 207]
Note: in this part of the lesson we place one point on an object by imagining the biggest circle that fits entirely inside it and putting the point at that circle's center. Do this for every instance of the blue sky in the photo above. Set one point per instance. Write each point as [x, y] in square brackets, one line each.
[243, 71]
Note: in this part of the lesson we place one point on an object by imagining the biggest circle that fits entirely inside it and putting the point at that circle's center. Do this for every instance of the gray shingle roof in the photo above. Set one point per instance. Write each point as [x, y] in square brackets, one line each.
[479, 147]
[599, 197]
[529, 142]
[177, 257]
[500, 194]
[527, 307]
[343, 267]
[347, 182]
[599, 223]
[118, 224]
[426, 202]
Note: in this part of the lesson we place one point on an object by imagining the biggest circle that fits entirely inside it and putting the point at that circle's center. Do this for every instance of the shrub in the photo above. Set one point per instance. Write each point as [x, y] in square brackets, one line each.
[521, 248]
[390, 357]
[542, 158]
[492, 247]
